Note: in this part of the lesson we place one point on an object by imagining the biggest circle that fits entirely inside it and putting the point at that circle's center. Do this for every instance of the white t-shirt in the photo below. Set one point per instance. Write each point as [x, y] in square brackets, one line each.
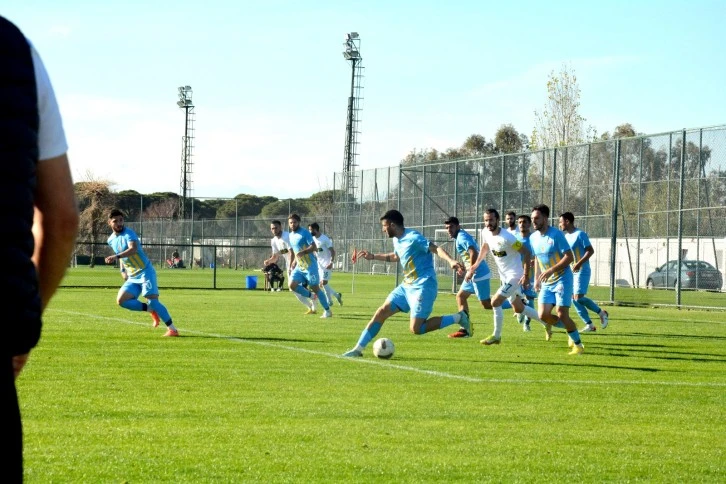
[281, 245]
[51, 137]
[324, 244]
[504, 247]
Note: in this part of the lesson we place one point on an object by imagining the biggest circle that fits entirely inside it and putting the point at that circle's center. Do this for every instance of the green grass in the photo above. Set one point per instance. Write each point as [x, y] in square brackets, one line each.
[255, 391]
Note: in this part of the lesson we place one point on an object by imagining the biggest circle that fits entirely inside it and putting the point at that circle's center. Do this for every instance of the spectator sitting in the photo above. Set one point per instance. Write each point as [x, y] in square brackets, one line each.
[274, 274]
[175, 262]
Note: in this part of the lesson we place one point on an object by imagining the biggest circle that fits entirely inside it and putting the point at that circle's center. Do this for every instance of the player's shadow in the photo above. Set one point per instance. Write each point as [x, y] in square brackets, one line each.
[261, 338]
[575, 363]
[669, 336]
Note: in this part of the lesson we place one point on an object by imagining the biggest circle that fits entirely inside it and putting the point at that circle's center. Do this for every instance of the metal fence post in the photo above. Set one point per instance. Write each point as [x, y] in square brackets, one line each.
[681, 186]
[614, 219]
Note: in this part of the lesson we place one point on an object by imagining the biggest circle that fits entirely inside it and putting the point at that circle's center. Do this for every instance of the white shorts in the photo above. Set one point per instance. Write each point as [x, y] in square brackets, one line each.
[510, 290]
[325, 274]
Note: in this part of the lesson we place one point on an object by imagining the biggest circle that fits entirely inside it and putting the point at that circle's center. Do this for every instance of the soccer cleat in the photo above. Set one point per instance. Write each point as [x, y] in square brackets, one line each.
[171, 332]
[462, 333]
[520, 317]
[604, 318]
[466, 323]
[577, 350]
[339, 298]
[327, 314]
[525, 327]
[548, 332]
[354, 353]
[155, 318]
[311, 311]
[589, 328]
[492, 340]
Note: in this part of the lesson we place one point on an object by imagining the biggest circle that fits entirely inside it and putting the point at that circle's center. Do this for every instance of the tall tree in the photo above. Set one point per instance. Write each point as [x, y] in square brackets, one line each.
[560, 122]
[285, 207]
[508, 140]
[477, 145]
[167, 208]
[95, 200]
[243, 205]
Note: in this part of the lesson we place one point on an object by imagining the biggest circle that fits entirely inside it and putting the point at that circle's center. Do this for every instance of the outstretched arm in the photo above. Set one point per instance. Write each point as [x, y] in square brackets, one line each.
[368, 255]
[439, 251]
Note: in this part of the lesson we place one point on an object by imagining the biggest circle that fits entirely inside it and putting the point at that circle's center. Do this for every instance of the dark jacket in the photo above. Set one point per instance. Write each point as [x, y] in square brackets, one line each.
[18, 157]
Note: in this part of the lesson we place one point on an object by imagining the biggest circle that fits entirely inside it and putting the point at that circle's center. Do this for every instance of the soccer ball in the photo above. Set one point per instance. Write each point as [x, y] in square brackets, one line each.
[383, 348]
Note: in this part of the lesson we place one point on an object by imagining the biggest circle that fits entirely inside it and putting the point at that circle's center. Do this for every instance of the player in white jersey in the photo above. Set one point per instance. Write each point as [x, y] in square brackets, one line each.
[512, 259]
[282, 256]
[326, 256]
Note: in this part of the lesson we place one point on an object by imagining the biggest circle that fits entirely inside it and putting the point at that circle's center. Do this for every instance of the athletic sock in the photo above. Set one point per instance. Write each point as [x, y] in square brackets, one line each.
[160, 309]
[368, 334]
[498, 320]
[450, 319]
[133, 305]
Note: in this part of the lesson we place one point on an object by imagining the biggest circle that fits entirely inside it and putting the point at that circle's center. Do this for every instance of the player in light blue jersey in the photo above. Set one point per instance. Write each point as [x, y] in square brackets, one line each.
[305, 264]
[468, 250]
[138, 272]
[524, 223]
[581, 252]
[417, 293]
[553, 276]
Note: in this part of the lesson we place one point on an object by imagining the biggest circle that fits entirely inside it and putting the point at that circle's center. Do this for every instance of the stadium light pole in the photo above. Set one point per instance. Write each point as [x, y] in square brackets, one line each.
[351, 53]
[185, 103]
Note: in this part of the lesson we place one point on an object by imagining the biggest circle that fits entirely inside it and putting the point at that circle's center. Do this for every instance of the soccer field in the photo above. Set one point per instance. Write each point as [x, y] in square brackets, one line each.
[256, 391]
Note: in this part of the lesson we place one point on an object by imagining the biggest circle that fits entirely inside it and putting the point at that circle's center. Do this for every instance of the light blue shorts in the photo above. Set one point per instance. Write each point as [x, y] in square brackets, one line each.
[559, 293]
[142, 285]
[312, 278]
[582, 281]
[482, 288]
[418, 300]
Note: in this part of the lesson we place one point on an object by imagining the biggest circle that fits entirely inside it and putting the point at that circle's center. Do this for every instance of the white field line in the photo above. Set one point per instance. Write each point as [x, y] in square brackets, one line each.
[392, 364]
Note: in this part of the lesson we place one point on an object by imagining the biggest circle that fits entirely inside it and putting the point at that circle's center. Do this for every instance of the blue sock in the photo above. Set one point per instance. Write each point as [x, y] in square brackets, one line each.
[160, 309]
[582, 311]
[559, 324]
[590, 304]
[575, 335]
[323, 298]
[133, 305]
[369, 333]
[506, 304]
[300, 289]
[448, 320]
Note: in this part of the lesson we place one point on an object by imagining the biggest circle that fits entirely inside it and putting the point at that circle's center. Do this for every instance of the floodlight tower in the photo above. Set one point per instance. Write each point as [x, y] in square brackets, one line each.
[351, 53]
[185, 188]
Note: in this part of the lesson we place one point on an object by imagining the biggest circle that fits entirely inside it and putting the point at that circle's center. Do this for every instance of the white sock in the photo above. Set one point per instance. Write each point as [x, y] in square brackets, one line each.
[531, 313]
[303, 300]
[498, 320]
[329, 292]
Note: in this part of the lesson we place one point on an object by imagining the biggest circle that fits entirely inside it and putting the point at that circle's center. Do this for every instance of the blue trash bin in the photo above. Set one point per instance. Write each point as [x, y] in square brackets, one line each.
[251, 282]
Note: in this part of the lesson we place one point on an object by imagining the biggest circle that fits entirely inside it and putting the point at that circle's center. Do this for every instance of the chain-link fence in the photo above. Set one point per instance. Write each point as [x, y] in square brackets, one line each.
[643, 201]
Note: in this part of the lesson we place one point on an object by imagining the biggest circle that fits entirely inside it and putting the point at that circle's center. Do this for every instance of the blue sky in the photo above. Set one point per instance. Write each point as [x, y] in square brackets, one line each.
[271, 85]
